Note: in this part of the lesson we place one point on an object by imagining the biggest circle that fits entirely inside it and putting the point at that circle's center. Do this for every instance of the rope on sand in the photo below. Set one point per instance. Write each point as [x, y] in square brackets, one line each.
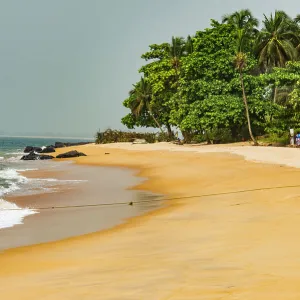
[131, 203]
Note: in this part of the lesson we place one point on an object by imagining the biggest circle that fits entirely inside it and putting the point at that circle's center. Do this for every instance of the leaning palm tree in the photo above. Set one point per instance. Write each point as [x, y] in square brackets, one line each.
[240, 62]
[142, 95]
[245, 29]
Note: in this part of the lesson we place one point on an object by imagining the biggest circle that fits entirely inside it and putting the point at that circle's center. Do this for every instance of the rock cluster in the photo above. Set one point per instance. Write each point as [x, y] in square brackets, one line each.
[33, 156]
[35, 152]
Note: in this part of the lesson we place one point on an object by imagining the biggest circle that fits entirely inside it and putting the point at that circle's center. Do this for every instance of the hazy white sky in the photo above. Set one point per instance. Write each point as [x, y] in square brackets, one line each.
[67, 65]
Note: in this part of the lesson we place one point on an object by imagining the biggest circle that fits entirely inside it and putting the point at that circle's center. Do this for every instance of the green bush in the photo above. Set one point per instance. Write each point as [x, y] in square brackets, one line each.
[220, 135]
[118, 136]
[164, 137]
[282, 139]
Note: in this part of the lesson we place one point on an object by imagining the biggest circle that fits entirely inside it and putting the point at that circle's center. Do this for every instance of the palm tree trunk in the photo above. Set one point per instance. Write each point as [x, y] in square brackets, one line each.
[156, 122]
[275, 94]
[247, 110]
[170, 132]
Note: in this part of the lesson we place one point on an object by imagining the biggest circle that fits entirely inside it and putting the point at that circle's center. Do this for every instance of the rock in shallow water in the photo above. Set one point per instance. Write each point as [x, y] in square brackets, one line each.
[33, 156]
[70, 154]
[48, 149]
[31, 148]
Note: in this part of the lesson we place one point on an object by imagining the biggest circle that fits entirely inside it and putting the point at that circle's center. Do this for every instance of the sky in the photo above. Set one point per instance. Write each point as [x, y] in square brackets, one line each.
[67, 65]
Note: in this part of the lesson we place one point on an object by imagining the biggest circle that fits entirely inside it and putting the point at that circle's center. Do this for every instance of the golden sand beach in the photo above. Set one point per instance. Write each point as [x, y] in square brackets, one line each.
[230, 232]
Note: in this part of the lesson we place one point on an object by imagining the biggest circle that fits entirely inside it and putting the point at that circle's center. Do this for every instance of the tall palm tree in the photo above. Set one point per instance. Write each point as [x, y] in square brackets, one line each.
[176, 52]
[245, 30]
[240, 62]
[245, 27]
[189, 46]
[297, 25]
[177, 49]
[275, 43]
[142, 93]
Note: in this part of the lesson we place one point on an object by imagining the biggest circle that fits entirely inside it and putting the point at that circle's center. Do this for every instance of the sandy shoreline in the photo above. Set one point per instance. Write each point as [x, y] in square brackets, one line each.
[237, 246]
[75, 198]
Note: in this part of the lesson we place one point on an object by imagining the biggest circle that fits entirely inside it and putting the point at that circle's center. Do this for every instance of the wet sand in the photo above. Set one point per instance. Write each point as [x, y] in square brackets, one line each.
[93, 186]
[224, 246]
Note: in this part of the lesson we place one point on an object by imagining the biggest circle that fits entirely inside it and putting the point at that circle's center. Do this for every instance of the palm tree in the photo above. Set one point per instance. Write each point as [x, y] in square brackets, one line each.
[297, 25]
[142, 95]
[240, 62]
[189, 46]
[177, 49]
[275, 43]
[176, 52]
[245, 27]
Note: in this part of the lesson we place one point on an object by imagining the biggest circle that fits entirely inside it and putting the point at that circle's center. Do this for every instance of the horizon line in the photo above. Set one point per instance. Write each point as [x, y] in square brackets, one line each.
[42, 137]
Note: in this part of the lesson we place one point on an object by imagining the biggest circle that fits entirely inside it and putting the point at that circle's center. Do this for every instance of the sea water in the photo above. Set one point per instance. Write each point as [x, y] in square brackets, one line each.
[11, 181]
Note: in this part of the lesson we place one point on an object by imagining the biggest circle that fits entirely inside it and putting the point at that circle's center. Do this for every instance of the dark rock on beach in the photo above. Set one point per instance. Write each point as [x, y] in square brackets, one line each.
[31, 148]
[62, 145]
[30, 156]
[70, 154]
[45, 157]
[59, 145]
[48, 149]
[33, 156]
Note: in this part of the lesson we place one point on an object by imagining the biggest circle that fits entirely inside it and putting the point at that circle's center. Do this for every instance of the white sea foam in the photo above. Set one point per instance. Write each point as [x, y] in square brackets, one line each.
[11, 214]
[12, 174]
[1, 157]
[14, 179]
[24, 170]
[13, 159]
[56, 180]
[15, 153]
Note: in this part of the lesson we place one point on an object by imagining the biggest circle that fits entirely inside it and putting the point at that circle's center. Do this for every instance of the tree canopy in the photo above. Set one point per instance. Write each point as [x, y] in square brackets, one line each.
[234, 80]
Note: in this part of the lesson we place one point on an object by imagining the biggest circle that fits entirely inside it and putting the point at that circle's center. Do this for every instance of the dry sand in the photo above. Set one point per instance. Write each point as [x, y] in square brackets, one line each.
[231, 246]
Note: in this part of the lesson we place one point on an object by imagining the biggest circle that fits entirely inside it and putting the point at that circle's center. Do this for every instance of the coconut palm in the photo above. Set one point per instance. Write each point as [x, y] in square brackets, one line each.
[189, 46]
[240, 62]
[276, 41]
[176, 52]
[297, 42]
[245, 27]
[142, 95]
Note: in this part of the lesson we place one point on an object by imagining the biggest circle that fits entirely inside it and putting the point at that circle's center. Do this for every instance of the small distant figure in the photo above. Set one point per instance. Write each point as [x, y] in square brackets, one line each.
[298, 139]
[292, 137]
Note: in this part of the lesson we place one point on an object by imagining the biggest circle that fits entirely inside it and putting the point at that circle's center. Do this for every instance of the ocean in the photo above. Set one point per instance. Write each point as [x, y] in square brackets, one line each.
[12, 182]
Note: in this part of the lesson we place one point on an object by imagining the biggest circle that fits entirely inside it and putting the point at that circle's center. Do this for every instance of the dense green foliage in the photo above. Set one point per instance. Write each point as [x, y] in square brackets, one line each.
[117, 136]
[229, 82]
